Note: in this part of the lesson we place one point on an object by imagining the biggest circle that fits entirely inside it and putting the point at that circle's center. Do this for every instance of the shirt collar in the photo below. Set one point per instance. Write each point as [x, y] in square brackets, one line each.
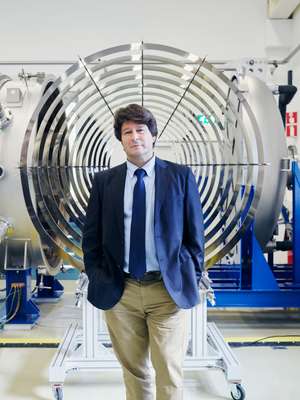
[148, 167]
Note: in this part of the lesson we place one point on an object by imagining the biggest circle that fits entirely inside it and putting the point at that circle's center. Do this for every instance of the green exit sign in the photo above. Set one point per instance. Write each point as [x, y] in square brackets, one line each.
[205, 119]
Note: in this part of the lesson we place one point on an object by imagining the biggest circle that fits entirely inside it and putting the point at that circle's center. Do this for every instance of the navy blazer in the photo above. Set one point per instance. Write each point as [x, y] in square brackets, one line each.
[178, 230]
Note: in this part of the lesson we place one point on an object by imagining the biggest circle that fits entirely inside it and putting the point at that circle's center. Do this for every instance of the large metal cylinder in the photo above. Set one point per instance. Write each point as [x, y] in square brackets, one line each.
[232, 139]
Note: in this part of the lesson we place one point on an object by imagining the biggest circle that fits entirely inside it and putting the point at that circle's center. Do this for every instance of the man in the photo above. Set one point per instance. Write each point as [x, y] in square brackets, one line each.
[143, 251]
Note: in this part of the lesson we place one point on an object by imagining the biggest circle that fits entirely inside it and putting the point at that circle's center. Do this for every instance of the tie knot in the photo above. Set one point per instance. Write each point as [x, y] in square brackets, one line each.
[140, 173]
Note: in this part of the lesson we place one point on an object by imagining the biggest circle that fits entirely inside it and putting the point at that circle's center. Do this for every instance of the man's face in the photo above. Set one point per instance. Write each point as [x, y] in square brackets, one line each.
[137, 141]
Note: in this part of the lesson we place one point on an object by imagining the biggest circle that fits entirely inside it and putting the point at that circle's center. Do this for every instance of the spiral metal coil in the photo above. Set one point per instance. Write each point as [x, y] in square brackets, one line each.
[202, 116]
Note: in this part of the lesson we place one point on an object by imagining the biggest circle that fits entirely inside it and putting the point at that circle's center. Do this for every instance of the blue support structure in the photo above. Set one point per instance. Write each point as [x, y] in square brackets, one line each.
[262, 275]
[49, 289]
[256, 283]
[257, 298]
[296, 222]
[20, 309]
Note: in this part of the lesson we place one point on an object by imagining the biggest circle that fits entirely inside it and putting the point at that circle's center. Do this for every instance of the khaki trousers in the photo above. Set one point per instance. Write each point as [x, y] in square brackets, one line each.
[147, 321]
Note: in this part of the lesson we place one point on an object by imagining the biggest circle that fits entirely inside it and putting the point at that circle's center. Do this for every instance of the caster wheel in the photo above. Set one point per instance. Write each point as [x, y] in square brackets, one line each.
[58, 392]
[238, 393]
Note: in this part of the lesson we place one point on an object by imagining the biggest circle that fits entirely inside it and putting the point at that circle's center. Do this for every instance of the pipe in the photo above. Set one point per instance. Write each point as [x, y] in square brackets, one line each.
[284, 245]
[286, 93]
[70, 62]
[289, 56]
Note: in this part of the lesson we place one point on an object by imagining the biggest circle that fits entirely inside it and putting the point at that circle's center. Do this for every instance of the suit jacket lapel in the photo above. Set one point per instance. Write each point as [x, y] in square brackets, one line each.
[117, 198]
[161, 186]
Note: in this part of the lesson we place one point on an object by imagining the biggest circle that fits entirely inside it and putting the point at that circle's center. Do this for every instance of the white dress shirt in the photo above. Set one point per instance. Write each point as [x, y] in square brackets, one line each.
[149, 180]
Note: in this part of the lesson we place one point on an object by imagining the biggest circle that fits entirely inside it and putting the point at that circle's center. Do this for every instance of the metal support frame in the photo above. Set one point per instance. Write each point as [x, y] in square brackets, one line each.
[89, 349]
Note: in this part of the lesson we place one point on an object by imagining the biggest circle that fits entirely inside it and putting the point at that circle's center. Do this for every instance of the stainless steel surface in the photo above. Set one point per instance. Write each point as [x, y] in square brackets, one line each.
[12, 206]
[275, 152]
[70, 136]
[223, 131]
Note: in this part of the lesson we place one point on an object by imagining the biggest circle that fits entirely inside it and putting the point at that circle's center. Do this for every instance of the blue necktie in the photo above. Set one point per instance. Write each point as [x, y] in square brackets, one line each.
[137, 253]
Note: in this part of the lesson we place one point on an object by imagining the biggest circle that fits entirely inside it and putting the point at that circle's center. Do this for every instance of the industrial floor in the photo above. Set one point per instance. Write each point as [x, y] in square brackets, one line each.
[268, 373]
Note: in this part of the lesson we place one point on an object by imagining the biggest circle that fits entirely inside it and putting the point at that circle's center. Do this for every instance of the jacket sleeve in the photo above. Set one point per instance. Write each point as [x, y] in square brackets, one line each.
[92, 231]
[193, 236]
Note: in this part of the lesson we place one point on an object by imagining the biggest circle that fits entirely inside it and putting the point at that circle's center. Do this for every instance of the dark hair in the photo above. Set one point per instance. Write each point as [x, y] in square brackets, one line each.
[135, 113]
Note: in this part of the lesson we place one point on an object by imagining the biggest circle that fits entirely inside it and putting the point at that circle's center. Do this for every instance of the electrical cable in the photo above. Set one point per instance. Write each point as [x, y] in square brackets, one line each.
[4, 300]
[264, 341]
[273, 337]
[19, 292]
[13, 300]
[11, 314]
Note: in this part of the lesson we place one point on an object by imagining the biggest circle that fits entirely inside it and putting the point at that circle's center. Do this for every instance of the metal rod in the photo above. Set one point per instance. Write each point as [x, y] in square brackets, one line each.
[105, 166]
[54, 62]
[184, 93]
[288, 57]
[229, 164]
[37, 62]
[70, 62]
[49, 63]
[94, 82]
